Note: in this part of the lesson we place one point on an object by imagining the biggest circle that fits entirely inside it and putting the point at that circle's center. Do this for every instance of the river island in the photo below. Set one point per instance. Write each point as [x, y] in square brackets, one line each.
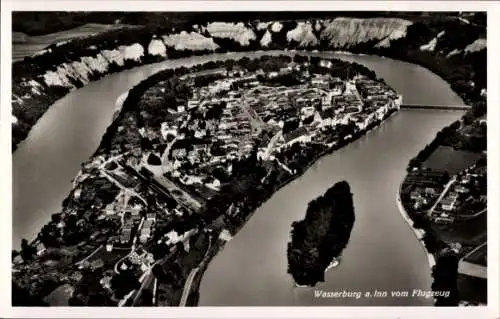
[189, 157]
[318, 239]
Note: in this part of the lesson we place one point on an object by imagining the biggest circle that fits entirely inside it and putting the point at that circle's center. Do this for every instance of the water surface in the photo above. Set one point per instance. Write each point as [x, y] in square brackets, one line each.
[383, 252]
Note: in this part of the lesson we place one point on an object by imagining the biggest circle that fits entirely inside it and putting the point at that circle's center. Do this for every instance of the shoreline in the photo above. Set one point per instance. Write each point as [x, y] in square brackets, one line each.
[419, 233]
[292, 178]
[122, 98]
[314, 160]
[389, 111]
[135, 64]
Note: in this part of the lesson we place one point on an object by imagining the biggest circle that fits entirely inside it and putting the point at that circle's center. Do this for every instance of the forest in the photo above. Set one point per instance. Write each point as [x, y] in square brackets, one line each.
[322, 235]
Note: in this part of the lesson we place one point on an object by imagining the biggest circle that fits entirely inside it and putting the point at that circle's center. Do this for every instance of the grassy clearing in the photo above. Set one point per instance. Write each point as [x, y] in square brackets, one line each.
[109, 258]
[447, 159]
[469, 232]
[24, 45]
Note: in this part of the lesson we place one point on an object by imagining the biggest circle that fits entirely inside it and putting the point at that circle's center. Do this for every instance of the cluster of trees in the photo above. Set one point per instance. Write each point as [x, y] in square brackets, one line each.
[36, 23]
[291, 125]
[124, 282]
[154, 106]
[299, 155]
[339, 68]
[441, 136]
[267, 63]
[94, 192]
[27, 251]
[215, 112]
[286, 79]
[450, 136]
[445, 274]
[21, 297]
[242, 186]
[322, 235]
[206, 79]
[89, 292]
[154, 159]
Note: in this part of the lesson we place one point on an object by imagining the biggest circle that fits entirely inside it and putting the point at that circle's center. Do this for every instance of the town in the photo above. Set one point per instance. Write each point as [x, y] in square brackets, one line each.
[184, 165]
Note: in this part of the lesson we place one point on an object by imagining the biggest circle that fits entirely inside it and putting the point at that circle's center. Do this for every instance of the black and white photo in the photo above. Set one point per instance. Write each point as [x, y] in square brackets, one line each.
[249, 158]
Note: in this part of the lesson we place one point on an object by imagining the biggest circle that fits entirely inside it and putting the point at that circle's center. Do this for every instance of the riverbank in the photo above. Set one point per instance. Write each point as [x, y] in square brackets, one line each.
[277, 214]
[41, 80]
[129, 104]
[419, 233]
[221, 244]
[95, 91]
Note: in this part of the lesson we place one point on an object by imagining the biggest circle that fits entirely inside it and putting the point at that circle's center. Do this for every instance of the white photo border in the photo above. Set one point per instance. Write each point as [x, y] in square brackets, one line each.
[490, 311]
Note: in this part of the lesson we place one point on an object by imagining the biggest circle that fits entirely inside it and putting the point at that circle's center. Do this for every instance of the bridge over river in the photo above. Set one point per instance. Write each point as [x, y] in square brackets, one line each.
[436, 107]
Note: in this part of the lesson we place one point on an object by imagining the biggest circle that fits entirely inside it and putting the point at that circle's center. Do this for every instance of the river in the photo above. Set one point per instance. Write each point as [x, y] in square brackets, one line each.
[382, 254]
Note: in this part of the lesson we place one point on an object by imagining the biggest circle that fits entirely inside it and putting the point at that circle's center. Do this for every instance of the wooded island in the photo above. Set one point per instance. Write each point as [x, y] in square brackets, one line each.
[322, 235]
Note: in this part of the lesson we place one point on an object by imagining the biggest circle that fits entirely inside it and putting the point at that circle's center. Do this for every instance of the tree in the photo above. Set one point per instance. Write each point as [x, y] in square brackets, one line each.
[22, 297]
[146, 298]
[27, 251]
[229, 64]
[159, 273]
[76, 301]
[56, 218]
[445, 274]
[154, 160]
[123, 283]
[300, 58]
[468, 118]
[290, 125]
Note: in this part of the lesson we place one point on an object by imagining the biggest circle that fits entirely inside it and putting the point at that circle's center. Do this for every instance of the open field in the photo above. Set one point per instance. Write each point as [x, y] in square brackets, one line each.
[60, 296]
[478, 256]
[24, 45]
[445, 158]
[470, 232]
[472, 288]
[109, 258]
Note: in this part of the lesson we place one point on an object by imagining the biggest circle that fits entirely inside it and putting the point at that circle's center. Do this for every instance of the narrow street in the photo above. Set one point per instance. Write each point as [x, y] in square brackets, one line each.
[189, 281]
[443, 193]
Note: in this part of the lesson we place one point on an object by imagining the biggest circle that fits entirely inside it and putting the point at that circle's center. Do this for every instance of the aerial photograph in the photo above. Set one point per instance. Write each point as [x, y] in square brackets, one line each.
[243, 158]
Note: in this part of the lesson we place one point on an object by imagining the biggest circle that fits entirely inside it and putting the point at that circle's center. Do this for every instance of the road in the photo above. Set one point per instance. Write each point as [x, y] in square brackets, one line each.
[255, 121]
[160, 180]
[271, 144]
[158, 187]
[105, 173]
[446, 188]
[166, 152]
[92, 254]
[187, 286]
[115, 268]
[147, 277]
[189, 281]
[477, 214]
